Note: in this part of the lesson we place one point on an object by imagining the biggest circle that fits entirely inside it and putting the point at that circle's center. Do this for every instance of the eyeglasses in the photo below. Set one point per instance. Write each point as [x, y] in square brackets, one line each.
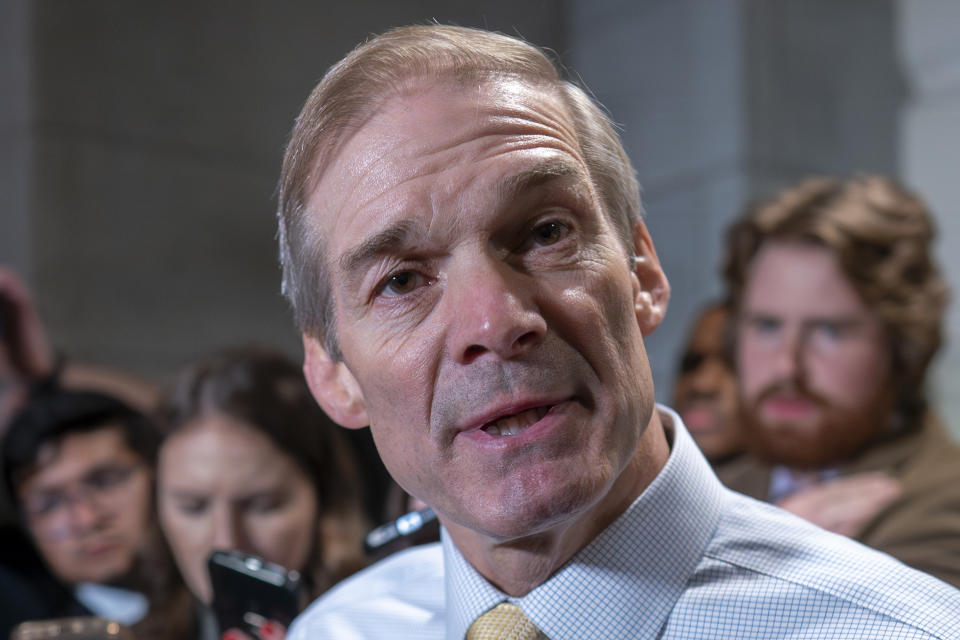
[51, 512]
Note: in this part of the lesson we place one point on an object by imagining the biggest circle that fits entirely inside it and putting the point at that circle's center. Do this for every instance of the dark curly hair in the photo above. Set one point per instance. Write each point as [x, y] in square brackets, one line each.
[53, 413]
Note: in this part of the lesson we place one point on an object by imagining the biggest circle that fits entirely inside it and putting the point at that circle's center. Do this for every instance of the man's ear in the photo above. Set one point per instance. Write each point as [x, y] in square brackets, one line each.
[333, 385]
[651, 288]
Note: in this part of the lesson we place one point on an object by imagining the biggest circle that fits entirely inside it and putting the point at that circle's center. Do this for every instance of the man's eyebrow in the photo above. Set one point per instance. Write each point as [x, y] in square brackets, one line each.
[396, 234]
[106, 465]
[376, 245]
[519, 182]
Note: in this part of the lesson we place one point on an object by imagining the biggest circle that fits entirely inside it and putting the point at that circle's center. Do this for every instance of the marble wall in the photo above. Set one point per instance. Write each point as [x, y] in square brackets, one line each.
[930, 155]
[15, 138]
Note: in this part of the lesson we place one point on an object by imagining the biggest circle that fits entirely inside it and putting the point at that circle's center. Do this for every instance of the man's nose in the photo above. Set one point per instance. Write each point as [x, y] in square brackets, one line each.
[492, 311]
[85, 515]
[791, 354]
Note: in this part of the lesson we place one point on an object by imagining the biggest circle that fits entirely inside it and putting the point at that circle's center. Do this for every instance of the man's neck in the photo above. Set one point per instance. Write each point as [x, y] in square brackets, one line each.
[519, 565]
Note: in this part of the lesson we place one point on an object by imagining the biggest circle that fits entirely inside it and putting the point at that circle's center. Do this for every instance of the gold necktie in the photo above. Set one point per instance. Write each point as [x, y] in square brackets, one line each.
[504, 622]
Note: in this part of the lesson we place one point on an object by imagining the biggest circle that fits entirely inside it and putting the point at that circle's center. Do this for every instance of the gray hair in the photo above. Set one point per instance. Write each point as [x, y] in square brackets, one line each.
[357, 86]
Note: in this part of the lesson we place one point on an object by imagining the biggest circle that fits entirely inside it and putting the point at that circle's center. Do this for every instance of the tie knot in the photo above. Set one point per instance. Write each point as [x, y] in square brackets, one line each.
[505, 621]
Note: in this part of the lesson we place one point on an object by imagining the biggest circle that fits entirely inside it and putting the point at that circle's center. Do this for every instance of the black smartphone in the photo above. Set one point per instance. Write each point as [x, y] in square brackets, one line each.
[248, 591]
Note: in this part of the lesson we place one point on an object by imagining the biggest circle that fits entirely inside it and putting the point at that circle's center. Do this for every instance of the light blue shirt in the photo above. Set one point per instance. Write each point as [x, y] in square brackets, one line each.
[688, 559]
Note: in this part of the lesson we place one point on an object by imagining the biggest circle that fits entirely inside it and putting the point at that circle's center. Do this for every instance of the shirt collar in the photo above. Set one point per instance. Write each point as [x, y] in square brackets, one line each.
[627, 580]
[785, 481]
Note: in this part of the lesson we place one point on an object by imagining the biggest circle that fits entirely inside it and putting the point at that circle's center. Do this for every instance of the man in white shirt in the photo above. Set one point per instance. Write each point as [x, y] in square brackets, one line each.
[463, 245]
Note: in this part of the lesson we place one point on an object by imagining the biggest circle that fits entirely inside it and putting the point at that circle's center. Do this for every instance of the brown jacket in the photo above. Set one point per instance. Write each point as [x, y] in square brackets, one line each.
[921, 527]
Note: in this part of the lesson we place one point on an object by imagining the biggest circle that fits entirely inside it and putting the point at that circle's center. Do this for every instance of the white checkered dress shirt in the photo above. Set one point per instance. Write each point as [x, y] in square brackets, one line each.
[688, 559]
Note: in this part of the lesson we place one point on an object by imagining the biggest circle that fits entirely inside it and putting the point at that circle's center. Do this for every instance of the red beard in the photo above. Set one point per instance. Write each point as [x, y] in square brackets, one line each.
[830, 436]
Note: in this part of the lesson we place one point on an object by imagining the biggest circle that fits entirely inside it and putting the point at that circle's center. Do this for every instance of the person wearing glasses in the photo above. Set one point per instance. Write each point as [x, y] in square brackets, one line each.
[76, 469]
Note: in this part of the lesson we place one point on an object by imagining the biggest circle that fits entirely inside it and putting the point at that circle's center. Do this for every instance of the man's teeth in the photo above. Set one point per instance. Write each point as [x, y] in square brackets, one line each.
[513, 425]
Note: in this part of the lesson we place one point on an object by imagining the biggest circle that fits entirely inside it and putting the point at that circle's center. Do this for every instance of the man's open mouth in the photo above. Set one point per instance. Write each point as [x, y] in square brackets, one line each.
[515, 424]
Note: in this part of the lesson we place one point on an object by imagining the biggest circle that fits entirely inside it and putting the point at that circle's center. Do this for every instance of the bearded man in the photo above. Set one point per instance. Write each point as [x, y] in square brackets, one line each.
[839, 308]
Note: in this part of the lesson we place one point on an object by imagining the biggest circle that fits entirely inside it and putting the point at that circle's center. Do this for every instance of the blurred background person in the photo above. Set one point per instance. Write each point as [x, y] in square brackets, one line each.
[77, 469]
[28, 359]
[705, 389]
[250, 462]
[839, 310]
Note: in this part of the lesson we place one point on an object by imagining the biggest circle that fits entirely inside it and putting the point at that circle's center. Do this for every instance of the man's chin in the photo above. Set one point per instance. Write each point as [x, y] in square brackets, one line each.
[797, 457]
[518, 519]
[529, 521]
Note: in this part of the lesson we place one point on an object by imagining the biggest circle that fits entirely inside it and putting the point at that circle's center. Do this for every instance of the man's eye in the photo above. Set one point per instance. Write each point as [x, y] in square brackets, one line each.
[402, 283]
[829, 330]
[549, 233]
[765, 326]
[691, 362]
[109, 478]
[828, 333]
[45, 504]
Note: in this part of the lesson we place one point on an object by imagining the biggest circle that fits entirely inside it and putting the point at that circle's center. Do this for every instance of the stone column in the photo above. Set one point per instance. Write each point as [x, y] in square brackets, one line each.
[16, 142]
[930, 159]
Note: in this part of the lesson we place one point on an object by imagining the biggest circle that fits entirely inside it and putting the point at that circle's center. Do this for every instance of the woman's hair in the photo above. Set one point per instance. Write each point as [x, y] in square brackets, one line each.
[266, 390]
[882, 236]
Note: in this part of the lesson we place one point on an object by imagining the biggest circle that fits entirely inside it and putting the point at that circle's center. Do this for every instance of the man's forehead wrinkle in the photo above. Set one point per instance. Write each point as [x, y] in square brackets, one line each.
[368, 173]
[527, 108]
[402, 160]
[398, 151]
[543, 120]
[334, 148]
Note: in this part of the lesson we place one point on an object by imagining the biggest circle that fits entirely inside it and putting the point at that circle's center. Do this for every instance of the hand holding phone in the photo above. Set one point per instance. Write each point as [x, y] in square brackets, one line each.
[249, 592]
